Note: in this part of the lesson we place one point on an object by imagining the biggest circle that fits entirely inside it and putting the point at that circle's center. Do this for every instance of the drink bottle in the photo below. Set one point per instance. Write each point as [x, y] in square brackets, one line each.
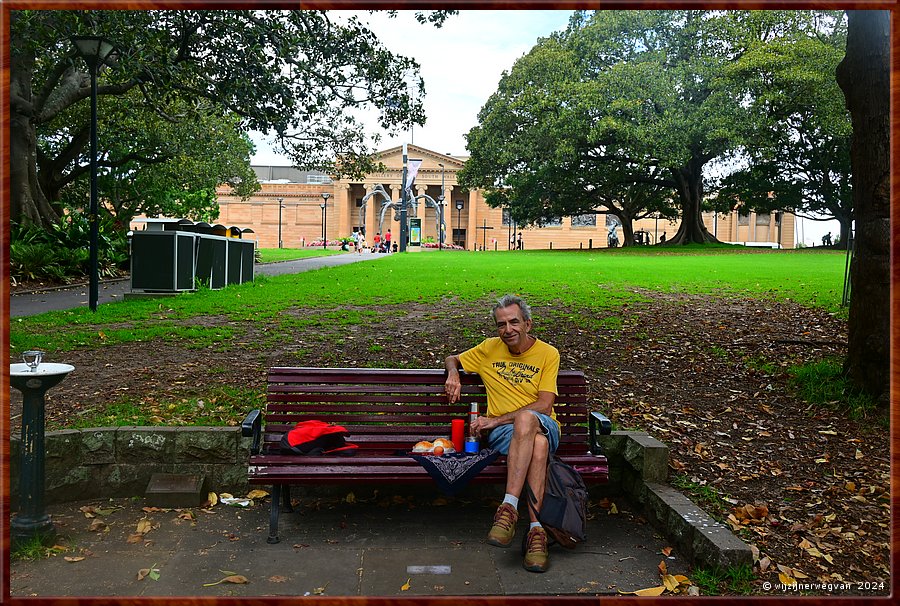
[471, 439]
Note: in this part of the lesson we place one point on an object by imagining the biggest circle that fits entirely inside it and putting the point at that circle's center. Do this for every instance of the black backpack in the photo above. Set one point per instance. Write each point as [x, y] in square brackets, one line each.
[564, 509]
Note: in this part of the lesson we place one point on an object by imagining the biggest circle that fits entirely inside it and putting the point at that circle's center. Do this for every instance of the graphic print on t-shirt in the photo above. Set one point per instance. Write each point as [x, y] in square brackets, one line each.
[515, 372]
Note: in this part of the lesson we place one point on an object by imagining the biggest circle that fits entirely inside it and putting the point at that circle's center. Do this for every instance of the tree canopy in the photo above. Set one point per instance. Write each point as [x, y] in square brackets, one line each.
[797, 146]
[179, 92]
[622, 104]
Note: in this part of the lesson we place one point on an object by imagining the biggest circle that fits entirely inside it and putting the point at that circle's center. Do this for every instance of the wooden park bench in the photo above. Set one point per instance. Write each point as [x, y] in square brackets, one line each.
[387, 411]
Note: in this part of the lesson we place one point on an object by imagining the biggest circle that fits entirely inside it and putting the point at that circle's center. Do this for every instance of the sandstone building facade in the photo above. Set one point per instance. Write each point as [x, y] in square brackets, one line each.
[291, 202]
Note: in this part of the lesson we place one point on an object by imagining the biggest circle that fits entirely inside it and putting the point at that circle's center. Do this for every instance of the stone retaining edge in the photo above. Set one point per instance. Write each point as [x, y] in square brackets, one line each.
[110, 462]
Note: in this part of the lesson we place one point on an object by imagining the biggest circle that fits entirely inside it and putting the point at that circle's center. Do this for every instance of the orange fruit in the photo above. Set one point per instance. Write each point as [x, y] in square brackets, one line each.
[438, 450]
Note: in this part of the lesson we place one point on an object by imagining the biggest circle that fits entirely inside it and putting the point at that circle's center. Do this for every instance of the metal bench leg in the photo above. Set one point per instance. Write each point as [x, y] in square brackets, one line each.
[286, 505]
[273, 514]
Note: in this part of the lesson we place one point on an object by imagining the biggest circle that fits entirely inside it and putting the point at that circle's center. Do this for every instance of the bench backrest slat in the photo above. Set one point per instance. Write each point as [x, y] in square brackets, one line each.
[384, 409]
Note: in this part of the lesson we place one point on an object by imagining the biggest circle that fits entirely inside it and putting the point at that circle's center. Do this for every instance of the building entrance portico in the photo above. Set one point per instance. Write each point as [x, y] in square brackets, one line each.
[374, 202]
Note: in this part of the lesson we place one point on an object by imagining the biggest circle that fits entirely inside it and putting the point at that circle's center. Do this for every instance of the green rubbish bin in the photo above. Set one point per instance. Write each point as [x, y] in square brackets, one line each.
[212, 260]
[163, 261]
[240, 256]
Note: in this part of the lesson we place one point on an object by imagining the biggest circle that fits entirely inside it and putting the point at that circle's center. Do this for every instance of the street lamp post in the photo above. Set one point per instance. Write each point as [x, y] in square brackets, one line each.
[280, 206]
[325, 197]
[94, 50]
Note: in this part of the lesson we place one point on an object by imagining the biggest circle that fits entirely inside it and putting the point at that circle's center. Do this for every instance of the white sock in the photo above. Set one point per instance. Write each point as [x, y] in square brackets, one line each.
[514, 501]
[534, 525]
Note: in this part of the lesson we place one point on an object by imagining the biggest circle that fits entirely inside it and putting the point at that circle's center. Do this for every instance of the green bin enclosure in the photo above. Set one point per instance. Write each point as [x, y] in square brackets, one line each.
[240, 261]
[248, 260]
[163, 261]
[212, 260]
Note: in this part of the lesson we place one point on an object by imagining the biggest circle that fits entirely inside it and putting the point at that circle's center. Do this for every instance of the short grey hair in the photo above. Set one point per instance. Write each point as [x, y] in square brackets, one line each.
[506, 301]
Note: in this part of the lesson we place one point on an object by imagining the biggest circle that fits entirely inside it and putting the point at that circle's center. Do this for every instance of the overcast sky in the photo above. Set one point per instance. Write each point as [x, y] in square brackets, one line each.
[461, 64]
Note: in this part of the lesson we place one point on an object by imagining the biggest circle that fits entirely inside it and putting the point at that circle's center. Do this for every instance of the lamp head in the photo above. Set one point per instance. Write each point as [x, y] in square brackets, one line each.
[93, 49]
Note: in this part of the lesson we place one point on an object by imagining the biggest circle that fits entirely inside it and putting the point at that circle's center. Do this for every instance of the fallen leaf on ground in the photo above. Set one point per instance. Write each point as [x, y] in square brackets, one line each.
[320, 590]
[98, 525]
[73, 558]
[277, 578]
[257, 494]
[405, 586]
[786, 580]
[152, 572]
[144, 526]
[237, 579]
[650, 591]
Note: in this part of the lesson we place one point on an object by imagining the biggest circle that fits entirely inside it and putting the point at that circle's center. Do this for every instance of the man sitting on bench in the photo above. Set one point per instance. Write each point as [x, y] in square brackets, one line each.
[519, 374]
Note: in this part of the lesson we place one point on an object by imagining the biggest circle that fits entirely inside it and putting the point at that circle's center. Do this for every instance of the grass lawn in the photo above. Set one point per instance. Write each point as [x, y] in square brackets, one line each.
[272, 255]
[588, 280]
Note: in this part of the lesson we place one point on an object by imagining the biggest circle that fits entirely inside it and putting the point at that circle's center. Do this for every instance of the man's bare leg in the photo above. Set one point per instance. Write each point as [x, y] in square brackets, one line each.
[526, 428]
[537, 472]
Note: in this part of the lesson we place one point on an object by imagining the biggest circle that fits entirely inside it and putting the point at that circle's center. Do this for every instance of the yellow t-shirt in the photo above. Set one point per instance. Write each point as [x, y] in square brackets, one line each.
[512, 381]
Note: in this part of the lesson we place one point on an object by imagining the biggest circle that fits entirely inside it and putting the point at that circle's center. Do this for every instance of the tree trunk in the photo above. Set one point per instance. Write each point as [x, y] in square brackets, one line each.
[28, 204]
[627, 231]
[864, 76]
[846, 224]
[690, 192]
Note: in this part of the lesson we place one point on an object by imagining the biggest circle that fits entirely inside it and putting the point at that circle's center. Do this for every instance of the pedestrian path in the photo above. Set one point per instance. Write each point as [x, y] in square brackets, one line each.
[36, 302]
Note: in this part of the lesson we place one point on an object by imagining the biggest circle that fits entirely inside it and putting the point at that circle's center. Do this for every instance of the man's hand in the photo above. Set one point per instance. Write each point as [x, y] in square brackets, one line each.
[452, 386]
[482, 424]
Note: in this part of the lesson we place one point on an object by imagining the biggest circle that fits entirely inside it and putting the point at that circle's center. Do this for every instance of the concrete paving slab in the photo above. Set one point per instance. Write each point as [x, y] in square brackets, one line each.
[268, 572]
[363, 548]
[100, 573]
[466, 569]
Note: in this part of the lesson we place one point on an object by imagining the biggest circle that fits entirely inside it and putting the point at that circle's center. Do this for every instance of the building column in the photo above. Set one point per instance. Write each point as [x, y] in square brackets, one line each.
[472, 234]
[373, 206]
[341, 211]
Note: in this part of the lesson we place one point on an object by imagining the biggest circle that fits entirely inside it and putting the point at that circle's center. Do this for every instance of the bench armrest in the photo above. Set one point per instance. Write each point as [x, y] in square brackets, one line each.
[251, 427]
[598, 424]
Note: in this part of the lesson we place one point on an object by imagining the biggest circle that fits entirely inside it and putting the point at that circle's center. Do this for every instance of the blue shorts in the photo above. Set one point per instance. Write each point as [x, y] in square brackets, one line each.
[501, 436]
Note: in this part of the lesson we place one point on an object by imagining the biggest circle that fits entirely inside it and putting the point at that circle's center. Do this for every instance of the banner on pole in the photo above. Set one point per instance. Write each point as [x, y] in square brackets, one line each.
[413, 169]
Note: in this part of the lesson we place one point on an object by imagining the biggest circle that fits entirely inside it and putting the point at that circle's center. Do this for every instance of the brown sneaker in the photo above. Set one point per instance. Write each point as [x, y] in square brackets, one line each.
[536, 553]
[504, 528]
